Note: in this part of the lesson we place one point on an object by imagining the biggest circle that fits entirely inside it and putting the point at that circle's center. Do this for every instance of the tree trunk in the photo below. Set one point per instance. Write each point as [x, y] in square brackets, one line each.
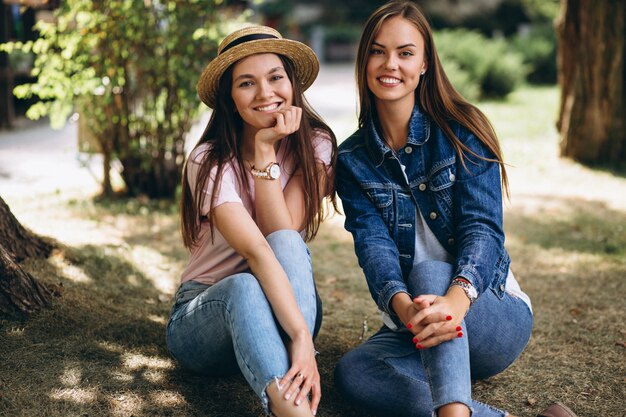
[19, 291]
[7, 111]
[592, 77]
[18, 241]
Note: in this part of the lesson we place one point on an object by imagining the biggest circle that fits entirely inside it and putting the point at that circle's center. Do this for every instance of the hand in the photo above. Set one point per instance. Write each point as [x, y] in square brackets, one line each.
[286, 120]
[439, 318]
[303, 376]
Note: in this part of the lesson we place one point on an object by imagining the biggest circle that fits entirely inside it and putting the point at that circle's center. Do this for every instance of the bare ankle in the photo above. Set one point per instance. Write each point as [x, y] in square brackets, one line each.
[453, 410]
[285, 408]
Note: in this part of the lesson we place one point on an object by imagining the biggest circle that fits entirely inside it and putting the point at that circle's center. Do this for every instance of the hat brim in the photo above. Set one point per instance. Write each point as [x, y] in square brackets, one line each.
[305, 62]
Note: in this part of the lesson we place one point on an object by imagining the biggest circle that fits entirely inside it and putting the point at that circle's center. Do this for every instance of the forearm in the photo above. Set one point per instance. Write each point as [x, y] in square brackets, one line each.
[278, 291]
[272, 211]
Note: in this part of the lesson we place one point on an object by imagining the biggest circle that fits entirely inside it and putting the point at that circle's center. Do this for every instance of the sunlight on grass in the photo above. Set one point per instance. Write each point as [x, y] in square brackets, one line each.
[74, 395]
[127, 404]
[165, 398]
[69, 271]
[134, 361]
[71, 376]
[157, 268]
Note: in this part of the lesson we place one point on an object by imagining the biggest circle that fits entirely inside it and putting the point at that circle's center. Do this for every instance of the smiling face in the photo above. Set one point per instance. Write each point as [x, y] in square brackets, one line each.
[260, 87]
[395, 62]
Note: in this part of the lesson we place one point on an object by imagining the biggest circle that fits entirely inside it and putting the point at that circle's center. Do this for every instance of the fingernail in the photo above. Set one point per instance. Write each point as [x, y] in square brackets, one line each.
[460, 334]
[287, 396]
[415, 340]
[419, 346]
[409, 325]
[298, 402]
[314, 412]
[459, 328]
[448, 318]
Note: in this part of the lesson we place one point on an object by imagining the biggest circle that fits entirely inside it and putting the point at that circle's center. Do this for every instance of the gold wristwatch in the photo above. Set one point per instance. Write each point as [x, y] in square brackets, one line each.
[270, 172]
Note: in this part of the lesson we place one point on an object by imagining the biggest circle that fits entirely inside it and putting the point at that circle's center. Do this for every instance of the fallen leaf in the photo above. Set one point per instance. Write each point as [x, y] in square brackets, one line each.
[531, 401]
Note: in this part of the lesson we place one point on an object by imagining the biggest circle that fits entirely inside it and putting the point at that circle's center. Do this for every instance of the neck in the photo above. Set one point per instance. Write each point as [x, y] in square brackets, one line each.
[394, 120]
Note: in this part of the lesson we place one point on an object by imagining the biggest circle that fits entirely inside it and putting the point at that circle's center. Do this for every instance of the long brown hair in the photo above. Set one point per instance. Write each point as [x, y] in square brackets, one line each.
[435, 94]
[223, 135]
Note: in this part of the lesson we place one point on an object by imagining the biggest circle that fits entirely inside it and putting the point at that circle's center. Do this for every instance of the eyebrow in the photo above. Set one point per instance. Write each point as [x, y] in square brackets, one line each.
[273, 70]
[399, 47]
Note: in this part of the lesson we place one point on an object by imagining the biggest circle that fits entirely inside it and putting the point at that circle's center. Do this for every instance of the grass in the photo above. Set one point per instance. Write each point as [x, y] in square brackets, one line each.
[99, 350]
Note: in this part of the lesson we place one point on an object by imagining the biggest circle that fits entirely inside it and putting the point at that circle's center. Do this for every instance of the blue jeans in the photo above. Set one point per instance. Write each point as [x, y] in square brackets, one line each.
[388, 375]
[220, 329]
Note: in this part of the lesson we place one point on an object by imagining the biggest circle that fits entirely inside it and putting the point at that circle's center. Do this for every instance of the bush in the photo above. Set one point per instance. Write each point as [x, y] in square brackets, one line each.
[538, 49]
[490, 64]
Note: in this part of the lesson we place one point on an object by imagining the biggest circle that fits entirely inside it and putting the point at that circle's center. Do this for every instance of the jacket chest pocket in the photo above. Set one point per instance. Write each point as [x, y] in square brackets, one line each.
[382, 198]
[440, 182]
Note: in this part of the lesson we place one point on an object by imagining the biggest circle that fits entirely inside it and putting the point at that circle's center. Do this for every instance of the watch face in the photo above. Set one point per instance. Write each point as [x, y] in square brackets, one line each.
[274, 171]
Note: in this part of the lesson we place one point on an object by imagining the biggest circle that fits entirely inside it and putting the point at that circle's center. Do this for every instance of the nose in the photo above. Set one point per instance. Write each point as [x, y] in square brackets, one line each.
[264, 90]
[390, 62]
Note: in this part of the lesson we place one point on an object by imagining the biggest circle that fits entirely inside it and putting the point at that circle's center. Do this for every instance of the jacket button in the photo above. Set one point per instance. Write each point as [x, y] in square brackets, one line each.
[502, 287]
[433, 215]
[452, 177]
[451, 241]
[408, 149]
[422, 187]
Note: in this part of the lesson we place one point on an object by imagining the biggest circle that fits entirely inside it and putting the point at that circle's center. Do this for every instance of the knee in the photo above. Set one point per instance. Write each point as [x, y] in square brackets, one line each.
[285, 238]
[244, 287]
[430, 277]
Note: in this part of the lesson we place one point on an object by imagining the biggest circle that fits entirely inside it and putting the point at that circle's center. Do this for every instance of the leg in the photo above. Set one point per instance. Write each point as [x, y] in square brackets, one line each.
[295, 258]
[497, 330]
[231, 319]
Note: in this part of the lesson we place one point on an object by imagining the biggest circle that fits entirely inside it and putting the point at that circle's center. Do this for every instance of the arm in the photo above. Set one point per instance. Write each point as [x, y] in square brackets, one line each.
[376, 251]
[235, 224]
[277, 209]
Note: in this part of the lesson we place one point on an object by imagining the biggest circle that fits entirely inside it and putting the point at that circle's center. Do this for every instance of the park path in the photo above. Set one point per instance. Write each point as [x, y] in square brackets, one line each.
[34, 158]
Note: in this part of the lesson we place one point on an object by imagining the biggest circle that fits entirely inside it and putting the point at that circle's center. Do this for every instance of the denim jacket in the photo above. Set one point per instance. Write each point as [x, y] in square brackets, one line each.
[462, 205]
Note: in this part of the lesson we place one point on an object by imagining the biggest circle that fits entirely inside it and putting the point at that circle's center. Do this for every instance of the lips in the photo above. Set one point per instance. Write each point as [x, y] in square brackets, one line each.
[268, 107]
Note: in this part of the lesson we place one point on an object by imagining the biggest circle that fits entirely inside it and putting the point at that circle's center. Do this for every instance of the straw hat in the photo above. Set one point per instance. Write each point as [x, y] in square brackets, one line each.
[254, 40]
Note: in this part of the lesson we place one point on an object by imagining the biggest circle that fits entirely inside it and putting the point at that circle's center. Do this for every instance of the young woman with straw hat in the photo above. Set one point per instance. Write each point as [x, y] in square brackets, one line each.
[255, 188]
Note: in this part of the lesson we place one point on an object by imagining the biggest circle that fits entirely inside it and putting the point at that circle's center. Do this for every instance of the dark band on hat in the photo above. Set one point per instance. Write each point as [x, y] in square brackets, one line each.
[247, 38]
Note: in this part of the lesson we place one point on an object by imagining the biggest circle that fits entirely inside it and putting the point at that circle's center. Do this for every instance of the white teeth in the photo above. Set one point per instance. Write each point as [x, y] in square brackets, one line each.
[268, 108]
[387, 80]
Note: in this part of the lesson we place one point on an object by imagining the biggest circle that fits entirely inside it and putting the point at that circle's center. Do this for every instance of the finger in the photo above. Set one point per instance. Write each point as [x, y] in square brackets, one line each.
[294, 385]
[316, 396]
[304, 391]
[287, 378]
[428, 331]
[280, 122]
[438, 339]
[427, 298]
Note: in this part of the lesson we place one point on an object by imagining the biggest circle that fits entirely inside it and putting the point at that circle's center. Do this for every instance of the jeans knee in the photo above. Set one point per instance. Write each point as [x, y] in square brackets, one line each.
[285, 238]
[245, 286]
[430, 277]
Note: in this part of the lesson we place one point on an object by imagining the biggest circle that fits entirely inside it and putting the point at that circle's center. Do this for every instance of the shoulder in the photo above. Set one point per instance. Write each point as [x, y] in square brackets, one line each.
[353, 142]
[199, 153]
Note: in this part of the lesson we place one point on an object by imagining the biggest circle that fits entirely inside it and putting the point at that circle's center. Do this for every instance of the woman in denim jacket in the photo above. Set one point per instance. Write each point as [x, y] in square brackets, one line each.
[253, 187]
[421, 185]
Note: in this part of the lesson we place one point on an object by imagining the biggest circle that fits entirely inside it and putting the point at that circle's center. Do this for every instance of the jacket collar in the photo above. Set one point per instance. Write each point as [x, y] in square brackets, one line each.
[419, 132]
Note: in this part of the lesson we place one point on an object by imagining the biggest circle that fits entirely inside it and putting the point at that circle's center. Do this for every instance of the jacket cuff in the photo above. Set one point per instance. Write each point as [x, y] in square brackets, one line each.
[469, 273]
[386, 294]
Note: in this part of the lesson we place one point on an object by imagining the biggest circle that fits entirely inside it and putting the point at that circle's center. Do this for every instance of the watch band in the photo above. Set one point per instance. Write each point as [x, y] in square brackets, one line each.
[468, 288]
[270, 172]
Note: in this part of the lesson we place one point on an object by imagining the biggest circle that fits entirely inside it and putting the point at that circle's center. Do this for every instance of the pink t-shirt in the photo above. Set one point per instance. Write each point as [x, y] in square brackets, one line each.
[211, 261]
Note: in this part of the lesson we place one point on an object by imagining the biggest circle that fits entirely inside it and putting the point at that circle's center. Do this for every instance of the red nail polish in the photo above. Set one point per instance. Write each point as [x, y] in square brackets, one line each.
[409, 325]
[415, 340]
[448, 318]
[459, 328]
[460, 334]
[419, 346]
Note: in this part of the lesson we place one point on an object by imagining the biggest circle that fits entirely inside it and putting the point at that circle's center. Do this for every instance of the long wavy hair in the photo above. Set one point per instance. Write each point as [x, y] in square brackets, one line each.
[435, 94]
[223, 134]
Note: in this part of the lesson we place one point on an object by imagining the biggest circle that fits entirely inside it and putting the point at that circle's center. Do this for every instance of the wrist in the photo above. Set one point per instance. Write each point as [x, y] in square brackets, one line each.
[401, 304]
[458, 297]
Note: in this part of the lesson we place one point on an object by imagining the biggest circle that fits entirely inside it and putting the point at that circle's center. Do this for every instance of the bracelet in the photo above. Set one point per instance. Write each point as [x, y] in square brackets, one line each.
[468, 288]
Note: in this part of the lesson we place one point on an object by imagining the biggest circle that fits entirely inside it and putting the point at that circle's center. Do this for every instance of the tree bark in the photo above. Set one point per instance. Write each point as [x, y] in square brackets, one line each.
[18, 241]
[7, 111]
[19, 290]
[592, 77]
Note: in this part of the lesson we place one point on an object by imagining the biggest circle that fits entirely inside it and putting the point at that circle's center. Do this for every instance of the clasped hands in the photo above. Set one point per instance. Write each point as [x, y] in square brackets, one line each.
[433, 319]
